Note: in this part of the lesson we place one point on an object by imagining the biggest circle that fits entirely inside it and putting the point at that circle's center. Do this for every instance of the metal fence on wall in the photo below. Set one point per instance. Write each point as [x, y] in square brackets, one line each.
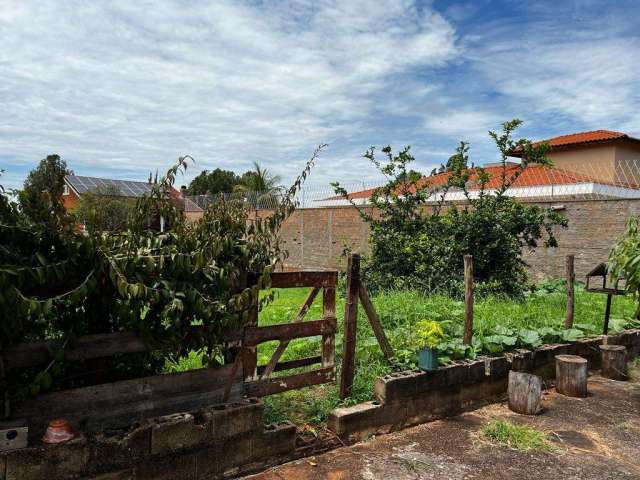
[587, 180]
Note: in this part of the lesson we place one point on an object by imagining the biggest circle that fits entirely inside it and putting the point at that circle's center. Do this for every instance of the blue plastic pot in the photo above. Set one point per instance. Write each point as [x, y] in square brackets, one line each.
[427, 359]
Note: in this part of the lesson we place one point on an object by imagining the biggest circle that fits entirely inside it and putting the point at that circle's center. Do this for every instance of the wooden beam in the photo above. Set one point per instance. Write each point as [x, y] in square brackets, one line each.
[571, 277]
[291, 364]
[468, 299]
[350, 326]
[304, 279]
[374, 320]
[288, 331]
[282, 346]
[270, 386]
[118, 404]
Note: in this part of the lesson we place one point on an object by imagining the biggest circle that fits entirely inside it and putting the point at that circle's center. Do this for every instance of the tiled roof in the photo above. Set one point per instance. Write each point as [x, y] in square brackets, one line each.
[582, 138]
[534, 175]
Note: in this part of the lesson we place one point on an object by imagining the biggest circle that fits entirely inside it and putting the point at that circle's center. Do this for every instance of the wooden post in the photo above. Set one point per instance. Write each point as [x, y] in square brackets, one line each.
[571, 277]
[525, 393]
[376, 325]
[350, 325]
[607, 314]
[329, 312]
[614, 362]
[571, 375]
[250, 354]
[468, 299]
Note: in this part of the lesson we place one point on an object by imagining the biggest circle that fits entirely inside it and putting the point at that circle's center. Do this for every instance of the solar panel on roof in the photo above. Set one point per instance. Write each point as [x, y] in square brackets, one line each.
[126, 188]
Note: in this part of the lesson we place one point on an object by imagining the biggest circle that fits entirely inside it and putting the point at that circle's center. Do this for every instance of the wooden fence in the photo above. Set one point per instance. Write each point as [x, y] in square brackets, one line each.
[121, 403]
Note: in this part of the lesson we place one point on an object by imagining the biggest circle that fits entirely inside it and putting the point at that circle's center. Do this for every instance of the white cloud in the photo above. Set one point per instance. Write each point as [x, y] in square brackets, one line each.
[127, 87]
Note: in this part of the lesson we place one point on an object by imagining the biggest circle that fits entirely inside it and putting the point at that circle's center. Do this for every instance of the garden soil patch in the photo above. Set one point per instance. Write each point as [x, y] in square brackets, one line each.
[597, 437]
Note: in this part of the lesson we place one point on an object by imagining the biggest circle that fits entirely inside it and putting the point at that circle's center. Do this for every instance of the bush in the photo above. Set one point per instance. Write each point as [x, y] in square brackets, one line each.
[418, 240]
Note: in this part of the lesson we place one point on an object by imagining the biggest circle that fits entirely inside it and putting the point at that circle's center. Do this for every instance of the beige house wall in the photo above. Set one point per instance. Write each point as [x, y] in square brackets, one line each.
[628, 163]
[597, 161]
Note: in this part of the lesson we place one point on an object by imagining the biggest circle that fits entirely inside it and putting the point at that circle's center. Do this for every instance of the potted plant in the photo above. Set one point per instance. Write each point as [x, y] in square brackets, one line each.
[429, 334]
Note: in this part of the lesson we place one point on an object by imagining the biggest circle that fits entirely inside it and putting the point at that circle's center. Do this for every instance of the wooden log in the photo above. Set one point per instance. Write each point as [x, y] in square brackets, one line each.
[468, 299]
[350, 325]
[614, 362]
[376, 325]
[571, 375]
[607, 314]
[282, 346]
[525, 393]
[250, 352]
[571, 277]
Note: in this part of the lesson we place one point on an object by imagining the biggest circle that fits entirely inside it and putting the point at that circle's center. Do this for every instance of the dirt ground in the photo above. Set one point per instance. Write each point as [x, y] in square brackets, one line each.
[595, 438]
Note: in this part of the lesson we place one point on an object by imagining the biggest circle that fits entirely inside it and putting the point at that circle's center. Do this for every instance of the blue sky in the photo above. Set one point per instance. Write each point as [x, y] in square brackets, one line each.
[119, 89]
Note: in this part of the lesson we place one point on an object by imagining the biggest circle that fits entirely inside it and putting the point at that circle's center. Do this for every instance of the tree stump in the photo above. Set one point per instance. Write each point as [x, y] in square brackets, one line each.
[525, 393]
[614, 362]
[571, 375]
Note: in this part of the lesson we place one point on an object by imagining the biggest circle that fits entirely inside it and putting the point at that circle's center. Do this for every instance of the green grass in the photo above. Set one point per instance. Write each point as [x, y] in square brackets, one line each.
[518, 437]
[499, 324]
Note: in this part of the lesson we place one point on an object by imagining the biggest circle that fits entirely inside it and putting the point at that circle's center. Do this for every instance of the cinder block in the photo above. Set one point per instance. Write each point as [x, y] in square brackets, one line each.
[277, 439]
[397, 385]
[498, 367]
[168, 467]
[522, 360]
[179, 431]
[66, 460]
[118, 451]
[476, 371]
[128, 474]
[237, 418]
[363, 416]
[223, 455]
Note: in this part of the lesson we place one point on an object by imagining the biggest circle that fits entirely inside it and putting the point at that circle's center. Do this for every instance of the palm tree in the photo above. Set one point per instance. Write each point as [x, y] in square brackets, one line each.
[259, 186]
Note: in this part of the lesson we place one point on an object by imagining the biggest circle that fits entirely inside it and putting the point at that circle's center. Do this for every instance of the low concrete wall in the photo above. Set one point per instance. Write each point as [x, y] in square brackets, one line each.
[211, 443]
[409, 398]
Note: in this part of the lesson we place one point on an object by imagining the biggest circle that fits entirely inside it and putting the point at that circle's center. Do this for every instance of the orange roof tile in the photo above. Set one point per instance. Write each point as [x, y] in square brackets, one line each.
[582, 138]
[534, 175]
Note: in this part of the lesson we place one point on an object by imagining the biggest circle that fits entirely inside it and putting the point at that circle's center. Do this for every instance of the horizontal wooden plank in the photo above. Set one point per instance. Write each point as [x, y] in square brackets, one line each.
[118, 404]
[86, 347]
[270, 386]
[288, 331]
[304, 279]
[289, 364]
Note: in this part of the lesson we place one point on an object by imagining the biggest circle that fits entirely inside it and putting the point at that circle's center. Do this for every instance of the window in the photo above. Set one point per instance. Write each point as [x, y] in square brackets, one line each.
[65, 190]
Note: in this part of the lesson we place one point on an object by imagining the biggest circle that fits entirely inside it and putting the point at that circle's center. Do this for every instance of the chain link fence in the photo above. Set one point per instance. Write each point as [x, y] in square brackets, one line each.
[578, 180]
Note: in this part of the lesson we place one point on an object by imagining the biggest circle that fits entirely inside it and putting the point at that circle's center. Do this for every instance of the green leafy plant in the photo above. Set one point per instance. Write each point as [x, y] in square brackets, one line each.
[429, 334]
[517, 437]
[418, 238]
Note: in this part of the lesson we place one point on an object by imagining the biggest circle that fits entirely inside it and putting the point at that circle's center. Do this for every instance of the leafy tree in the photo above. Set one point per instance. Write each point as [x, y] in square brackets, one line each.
[213, 182]
[259, 180]
[418, 238]
[41, 196]
[179, 290]
[103, 209]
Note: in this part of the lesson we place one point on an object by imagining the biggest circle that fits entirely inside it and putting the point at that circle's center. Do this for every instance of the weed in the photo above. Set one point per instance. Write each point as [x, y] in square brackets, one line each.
[517, 437]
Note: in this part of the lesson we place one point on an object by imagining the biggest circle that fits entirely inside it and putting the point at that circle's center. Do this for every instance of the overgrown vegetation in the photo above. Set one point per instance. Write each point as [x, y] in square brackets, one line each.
[419, 237]
[517, 437]
[501, 324]
[179, 290]
[103, 209]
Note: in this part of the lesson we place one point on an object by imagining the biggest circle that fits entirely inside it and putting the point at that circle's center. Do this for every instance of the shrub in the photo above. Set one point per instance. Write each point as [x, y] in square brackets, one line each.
[418, 239]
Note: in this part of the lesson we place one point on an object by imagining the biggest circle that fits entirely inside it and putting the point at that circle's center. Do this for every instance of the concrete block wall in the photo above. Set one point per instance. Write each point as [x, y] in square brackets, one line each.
[315, 238]
[404, 399]
[210, 443]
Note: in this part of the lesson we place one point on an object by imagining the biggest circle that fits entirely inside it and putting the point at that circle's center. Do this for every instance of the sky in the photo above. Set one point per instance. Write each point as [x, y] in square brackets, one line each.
[121, 88]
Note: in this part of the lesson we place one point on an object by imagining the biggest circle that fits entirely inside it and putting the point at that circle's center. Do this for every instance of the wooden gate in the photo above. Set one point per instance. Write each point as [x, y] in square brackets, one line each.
[259, 379]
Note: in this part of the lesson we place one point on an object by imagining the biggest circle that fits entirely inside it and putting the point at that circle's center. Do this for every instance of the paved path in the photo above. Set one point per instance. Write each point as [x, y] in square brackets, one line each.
[597, 438]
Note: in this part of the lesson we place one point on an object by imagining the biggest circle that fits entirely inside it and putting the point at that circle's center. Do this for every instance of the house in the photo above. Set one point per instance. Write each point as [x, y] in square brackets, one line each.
[596, 164]
[77, 185]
